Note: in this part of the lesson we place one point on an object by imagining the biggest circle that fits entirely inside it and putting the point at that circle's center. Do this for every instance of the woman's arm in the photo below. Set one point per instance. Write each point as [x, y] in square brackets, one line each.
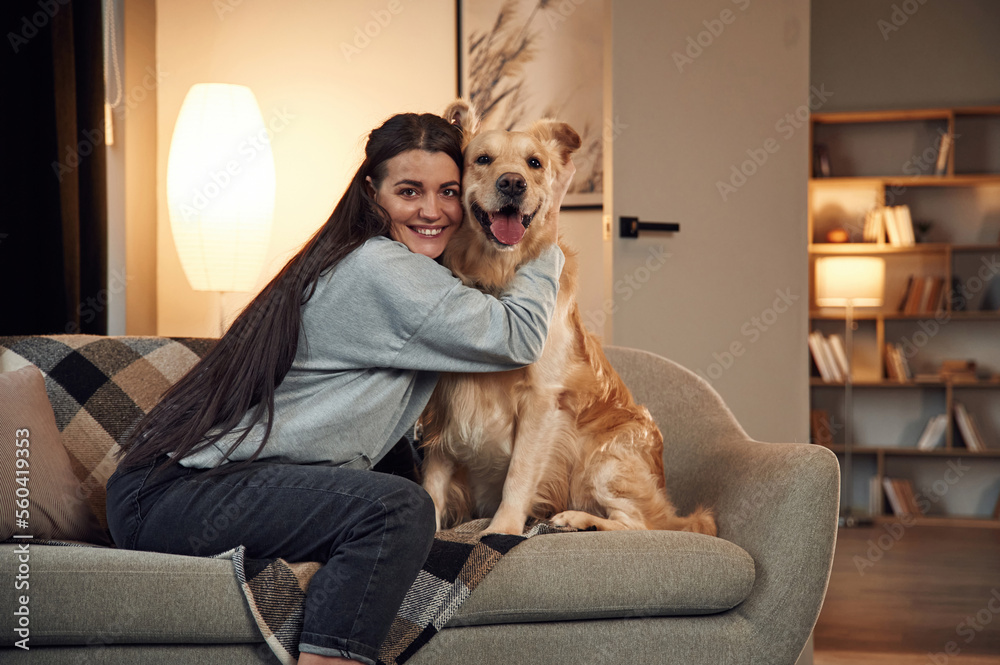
[469, 331]
[385, 306]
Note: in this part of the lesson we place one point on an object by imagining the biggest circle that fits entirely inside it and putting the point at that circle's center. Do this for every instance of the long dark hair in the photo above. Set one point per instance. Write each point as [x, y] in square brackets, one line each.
[251, 359]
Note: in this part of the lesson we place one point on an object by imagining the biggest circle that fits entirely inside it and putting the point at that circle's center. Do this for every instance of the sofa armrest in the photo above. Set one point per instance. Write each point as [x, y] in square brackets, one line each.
[779, 502]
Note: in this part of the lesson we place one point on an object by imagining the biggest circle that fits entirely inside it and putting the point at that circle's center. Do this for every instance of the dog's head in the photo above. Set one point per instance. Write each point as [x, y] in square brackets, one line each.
[508, 181]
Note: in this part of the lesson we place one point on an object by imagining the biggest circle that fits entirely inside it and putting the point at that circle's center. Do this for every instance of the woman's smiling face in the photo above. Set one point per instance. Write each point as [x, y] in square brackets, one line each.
[421, 192]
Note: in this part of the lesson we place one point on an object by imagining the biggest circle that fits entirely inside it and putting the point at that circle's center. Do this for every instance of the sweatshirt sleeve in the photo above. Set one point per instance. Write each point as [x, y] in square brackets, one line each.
[388, 307]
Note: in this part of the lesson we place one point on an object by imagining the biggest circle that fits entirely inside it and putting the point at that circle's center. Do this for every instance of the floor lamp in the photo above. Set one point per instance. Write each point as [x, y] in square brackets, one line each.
[220, 189]
[849, 282]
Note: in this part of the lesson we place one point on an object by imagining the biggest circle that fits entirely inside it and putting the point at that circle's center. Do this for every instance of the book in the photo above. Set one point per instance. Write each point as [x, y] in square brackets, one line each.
[934, 303]
[905, 222]
[925, 300]
[890, 493]
[891, 227]
[816, 349]
[901, 497]
[976, 432]
[944, 148]
[874, 230]
[906, 295]
[959, 371]
[968, 429]
[820, 427]
[897, 367]
[915, 300]
[831, 362]
[823, 357]
[933, 435]
[876, 505]
[909, 498]
[899, 225]
[836, 343]
[891, 369]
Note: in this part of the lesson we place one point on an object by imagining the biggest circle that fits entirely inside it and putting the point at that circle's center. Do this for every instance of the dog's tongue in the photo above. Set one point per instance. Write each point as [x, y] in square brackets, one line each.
[507, 228]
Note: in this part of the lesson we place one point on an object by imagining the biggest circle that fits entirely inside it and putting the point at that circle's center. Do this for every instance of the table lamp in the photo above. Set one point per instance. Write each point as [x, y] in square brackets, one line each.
[849, 282]
[220, 189]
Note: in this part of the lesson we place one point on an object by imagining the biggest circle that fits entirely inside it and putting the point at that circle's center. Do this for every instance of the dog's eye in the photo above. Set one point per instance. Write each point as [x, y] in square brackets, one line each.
[534, 163]
[483, 159]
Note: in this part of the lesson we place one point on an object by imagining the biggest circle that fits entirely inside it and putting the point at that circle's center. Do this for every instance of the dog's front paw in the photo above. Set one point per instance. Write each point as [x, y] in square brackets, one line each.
[582, 521]
[568, 518]
[505, 526]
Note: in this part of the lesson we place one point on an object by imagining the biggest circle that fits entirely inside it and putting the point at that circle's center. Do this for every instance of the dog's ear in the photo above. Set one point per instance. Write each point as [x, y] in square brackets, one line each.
[560, 136]
[461, 113]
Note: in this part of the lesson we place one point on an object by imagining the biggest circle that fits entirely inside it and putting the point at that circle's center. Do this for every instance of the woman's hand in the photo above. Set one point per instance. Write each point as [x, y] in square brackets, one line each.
[560, 187]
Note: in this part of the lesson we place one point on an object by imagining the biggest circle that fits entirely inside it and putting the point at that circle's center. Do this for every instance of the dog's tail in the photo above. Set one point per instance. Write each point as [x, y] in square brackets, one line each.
[702, 520]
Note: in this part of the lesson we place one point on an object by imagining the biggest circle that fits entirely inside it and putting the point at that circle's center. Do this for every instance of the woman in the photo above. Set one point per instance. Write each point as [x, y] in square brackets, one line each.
[340, 352]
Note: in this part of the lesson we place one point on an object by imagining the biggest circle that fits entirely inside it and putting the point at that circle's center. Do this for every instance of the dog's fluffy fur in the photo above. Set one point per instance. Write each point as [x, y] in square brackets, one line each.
[562, 438]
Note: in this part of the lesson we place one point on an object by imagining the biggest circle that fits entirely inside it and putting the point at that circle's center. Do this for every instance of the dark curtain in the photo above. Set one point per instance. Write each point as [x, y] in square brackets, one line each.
[53, 216]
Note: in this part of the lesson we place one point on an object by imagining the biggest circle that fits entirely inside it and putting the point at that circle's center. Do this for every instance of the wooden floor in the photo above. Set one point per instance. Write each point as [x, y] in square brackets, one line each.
[919, 590]
[872, 658]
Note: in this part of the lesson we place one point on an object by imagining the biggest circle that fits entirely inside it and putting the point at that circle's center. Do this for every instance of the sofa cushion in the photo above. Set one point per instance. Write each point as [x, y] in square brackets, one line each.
[39, 495]
[597, 575]
[99, 595]
[83, 595]
[99, 388]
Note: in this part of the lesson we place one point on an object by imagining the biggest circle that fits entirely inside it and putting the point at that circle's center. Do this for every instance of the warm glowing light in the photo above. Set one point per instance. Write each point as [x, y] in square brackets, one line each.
[858, 280]
[220, 187]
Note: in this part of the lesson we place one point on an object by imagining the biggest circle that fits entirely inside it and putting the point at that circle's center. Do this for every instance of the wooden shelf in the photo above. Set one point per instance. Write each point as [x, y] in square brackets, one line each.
[899, 451]
[957, 180]
[988, 315]
[902, 115]
[833, 248]
[974, 522]
[820, 383]
[841, 203]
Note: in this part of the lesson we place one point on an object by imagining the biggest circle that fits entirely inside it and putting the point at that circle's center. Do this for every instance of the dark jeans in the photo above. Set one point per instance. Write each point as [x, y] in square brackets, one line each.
[372, 531]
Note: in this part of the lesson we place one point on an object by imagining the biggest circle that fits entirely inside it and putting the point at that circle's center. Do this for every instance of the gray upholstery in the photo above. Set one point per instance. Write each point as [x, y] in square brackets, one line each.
[607, 575]
[778, 501]
[145, 597]
[121, 596]
[563, 598]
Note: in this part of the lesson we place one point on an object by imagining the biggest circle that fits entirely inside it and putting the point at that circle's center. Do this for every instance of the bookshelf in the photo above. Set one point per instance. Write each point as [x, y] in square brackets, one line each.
[943, 166]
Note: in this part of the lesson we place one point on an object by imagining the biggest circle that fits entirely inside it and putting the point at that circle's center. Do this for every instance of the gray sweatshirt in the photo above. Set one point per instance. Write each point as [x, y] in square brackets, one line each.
[374, 336]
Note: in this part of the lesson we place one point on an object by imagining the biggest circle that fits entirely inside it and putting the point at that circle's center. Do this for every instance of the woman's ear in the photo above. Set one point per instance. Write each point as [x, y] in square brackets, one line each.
[370, 186]
[461, 113]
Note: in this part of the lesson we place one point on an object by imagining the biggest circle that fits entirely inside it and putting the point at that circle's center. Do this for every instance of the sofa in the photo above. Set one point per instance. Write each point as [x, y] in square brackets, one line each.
[752, 595]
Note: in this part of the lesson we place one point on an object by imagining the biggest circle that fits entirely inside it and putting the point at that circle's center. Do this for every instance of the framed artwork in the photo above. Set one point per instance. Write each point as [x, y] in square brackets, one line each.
[521, 60]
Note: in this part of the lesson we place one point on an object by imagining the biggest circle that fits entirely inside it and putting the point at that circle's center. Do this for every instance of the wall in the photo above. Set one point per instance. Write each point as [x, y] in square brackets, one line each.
[138, 131]
[906, 54]
[322, 102]
[325, 83]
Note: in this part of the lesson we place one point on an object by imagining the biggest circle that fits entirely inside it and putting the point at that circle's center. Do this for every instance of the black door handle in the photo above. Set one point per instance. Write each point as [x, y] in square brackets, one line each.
[629, 227]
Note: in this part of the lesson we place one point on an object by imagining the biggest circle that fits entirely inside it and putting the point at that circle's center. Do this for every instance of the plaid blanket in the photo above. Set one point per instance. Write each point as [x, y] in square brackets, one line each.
[458, 561]
[100, 387]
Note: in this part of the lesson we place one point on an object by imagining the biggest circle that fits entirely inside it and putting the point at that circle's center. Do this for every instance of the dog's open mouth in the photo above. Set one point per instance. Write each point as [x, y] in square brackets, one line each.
[506, 226]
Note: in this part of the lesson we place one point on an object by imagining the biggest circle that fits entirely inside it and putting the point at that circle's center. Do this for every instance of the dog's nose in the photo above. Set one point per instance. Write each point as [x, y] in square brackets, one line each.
[511, 184]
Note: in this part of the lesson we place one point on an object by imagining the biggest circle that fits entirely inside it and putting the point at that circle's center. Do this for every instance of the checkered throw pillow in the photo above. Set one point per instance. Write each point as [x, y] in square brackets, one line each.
[100, 387]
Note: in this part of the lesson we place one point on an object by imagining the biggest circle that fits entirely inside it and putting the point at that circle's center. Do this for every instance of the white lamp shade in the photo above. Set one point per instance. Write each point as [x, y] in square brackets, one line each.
[855, 280]
[220, 187]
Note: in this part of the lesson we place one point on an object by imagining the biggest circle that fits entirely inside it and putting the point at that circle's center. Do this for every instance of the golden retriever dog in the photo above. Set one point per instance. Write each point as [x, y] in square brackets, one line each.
[561, 439]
